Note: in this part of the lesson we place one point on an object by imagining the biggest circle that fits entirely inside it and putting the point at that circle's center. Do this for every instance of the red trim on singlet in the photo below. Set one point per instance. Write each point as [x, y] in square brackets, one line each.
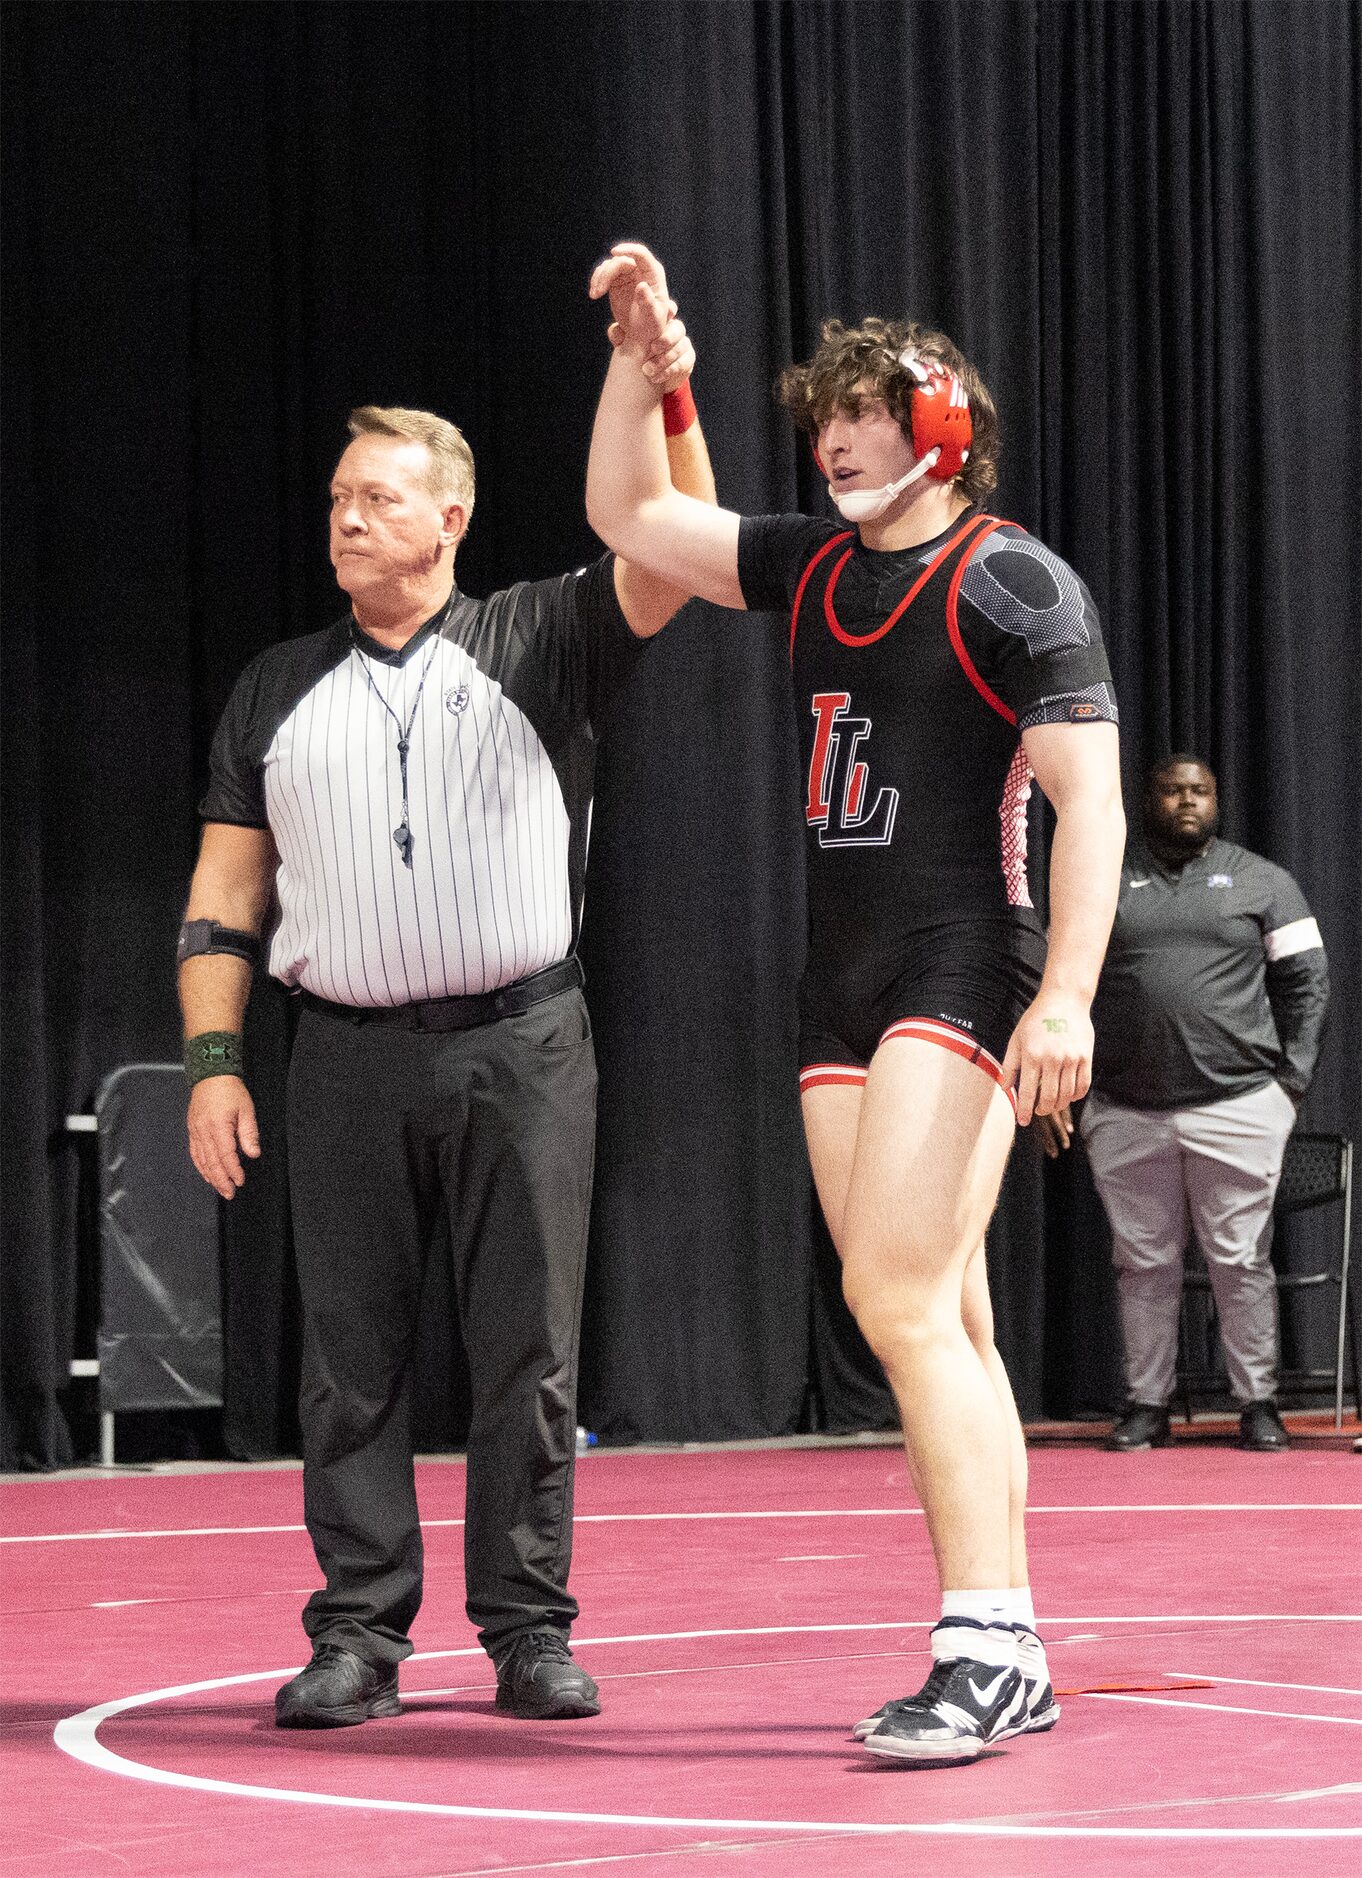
[958, 1042]
[831, 1076]
[826, 548]
[835, 626]
[967, 664]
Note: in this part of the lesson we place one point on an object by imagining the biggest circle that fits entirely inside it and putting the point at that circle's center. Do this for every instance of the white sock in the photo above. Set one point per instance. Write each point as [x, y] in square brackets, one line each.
[977, 1625]
[1023, 1610]
[985, 1607]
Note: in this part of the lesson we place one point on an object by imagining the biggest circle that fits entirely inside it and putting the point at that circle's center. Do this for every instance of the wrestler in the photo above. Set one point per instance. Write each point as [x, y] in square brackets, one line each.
[941, 660]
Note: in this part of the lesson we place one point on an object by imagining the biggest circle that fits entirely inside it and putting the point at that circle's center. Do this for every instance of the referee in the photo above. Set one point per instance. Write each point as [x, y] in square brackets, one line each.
[412, 786]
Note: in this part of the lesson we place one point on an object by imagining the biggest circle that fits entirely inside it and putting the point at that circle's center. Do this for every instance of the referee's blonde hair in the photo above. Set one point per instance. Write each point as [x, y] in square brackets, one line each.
[450, 477]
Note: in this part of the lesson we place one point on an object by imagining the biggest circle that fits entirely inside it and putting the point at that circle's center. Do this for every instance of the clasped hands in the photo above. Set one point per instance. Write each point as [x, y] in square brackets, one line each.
[643, 318]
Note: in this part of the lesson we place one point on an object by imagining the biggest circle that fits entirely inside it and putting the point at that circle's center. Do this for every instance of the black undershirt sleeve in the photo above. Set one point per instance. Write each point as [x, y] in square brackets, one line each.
[773, 552]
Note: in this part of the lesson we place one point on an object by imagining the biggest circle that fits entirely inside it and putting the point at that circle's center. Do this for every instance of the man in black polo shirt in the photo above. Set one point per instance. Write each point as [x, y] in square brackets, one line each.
[1208, 1017]
[413, 787]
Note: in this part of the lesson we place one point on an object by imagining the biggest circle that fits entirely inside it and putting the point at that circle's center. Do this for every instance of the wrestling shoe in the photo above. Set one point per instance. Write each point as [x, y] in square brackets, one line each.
[538, 1680]
[1141, 1426]
[336, 1690]
[962, 1706]
[1009, 1632]
[872, 1722]
[1042, 1710]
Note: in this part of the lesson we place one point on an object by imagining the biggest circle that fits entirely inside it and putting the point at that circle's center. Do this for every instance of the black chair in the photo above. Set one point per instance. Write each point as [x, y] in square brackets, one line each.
[1317, 1170]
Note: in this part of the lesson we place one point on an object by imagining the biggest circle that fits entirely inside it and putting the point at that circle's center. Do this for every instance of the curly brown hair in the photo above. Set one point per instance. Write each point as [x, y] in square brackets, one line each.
[853, 363]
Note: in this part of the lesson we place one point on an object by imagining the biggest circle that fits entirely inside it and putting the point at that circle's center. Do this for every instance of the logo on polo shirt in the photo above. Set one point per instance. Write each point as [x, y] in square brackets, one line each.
[1219, 880]
[456, 699]
[1139, 883]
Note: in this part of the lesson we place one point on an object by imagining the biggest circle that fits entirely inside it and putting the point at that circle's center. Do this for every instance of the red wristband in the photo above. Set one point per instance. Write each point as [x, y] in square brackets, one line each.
[678, 410]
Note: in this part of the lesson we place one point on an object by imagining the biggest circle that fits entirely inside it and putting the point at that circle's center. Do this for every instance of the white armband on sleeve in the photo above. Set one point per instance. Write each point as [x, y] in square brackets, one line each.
[1302, 935]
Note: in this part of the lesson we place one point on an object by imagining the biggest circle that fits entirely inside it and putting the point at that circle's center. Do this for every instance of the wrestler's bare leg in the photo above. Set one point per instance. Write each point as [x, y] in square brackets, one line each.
[977, 1311]
[908, 1172]
[832, 1117]
[926, 1140]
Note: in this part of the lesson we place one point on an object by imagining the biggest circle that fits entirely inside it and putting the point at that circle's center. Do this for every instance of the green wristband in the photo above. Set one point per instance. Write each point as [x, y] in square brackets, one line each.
[213, 1053]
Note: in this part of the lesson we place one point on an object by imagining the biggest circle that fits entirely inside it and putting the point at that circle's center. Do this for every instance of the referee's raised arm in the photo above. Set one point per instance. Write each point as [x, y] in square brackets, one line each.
[228, 900]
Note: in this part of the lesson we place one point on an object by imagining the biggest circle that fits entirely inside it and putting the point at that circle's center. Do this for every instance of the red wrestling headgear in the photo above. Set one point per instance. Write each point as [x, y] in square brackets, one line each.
[940, 416]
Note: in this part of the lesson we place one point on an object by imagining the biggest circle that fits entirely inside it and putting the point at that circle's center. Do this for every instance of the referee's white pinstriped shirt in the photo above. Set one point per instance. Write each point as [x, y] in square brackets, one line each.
[505, 698]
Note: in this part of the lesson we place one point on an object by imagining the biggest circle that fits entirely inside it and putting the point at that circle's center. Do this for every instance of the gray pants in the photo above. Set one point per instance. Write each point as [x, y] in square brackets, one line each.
[1212, 1172]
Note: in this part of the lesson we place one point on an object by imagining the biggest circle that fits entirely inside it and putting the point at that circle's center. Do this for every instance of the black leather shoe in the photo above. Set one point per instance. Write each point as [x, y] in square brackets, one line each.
[538, 1680]
[1140, 1427]
[336, 1690]
[1260, 1428]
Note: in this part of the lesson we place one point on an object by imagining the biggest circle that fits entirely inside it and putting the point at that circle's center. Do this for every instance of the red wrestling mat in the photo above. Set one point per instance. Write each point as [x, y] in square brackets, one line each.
[740, 1610]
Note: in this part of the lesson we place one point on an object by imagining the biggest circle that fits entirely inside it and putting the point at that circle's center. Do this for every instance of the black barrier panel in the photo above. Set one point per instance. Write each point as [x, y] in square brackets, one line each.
[160, 1328]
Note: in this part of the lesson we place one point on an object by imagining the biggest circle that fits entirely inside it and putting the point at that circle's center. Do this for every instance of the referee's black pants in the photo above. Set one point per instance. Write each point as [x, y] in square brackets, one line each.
[385, 1127]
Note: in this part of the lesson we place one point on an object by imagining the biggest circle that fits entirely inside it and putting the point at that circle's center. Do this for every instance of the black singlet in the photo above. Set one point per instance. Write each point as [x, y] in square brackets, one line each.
[915, 672]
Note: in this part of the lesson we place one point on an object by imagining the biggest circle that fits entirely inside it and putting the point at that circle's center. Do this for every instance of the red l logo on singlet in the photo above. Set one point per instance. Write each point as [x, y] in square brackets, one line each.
[836, 804]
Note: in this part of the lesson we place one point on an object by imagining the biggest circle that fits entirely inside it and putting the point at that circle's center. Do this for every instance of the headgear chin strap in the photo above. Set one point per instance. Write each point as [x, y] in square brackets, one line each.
[867, 505]
[943, 432]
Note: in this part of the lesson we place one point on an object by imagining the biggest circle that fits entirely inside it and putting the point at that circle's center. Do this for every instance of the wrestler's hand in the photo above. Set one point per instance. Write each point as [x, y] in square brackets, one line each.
[1049, 1059]
[640, 305]
[222, 1127]
[671, 358]
[1055, 1132]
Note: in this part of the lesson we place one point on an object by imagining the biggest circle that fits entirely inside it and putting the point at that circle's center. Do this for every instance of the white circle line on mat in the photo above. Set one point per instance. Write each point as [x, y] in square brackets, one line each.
[612, 1519]
[78, 1736]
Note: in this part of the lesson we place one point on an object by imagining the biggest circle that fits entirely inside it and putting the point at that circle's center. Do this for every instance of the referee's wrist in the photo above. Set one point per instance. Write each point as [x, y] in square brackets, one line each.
[214, 1053]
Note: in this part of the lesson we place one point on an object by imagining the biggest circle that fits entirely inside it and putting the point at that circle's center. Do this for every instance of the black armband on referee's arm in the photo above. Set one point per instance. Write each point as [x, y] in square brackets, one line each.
[199, 936]
[213, 1053]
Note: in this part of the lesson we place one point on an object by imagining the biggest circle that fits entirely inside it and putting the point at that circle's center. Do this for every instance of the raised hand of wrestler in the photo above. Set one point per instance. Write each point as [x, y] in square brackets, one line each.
[644, 314]
[1049, 1059]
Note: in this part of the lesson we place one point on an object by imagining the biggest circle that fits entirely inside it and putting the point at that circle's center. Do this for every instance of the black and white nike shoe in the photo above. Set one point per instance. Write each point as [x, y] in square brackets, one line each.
[1042, 1710]
[950, 1644]
[962, 1707]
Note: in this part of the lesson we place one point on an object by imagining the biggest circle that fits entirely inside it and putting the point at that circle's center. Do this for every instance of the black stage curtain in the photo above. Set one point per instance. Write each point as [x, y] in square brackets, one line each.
[226, 224]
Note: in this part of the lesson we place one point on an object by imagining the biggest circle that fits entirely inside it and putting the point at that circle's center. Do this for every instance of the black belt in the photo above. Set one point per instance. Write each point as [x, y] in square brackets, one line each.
[483, 1007]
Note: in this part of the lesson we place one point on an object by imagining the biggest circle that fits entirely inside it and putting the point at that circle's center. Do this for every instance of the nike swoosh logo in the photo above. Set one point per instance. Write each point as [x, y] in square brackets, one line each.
[989, 1692]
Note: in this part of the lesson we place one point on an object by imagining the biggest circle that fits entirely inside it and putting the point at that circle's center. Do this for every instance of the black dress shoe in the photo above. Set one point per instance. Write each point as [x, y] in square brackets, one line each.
[538, 1680]
[336, 1690]
[1140, 1427]
[1260, 1428]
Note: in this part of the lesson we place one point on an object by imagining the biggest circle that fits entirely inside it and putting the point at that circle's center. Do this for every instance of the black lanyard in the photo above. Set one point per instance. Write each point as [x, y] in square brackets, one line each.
[402, 834]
